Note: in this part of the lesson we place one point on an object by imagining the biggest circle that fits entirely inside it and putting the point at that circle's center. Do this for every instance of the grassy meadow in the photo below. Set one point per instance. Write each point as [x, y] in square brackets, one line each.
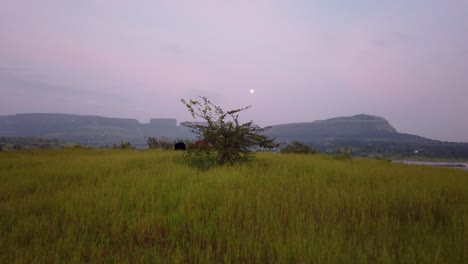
[100, 206]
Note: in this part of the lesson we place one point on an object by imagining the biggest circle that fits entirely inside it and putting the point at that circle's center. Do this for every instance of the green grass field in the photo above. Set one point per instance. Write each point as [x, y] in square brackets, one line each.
[131, 206]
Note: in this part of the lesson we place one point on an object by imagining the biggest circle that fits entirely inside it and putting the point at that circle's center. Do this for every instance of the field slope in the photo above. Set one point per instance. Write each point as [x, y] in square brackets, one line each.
[130, 206]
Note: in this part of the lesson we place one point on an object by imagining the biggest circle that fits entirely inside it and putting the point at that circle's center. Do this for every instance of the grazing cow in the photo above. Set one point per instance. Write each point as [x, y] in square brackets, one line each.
[180, 146]
[202, 145]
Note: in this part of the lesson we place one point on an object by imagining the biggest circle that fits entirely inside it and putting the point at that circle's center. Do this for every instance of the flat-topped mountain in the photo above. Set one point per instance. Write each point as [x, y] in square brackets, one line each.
[33, 124]
[92, 130]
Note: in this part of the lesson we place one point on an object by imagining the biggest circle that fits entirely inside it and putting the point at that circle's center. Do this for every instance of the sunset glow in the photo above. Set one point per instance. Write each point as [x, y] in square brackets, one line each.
[403, 60]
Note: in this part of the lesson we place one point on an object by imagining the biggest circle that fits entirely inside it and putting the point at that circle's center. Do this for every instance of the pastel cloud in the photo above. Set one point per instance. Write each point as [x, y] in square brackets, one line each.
[316, 59]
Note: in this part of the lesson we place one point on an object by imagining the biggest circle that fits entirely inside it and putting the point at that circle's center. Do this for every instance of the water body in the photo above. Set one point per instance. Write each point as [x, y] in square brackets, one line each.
[446, 164]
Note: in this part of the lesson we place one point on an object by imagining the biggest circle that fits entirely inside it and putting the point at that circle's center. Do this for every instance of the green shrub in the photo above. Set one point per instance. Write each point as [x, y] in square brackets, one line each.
[160, 143]
[344, 155]
[298, 148]
[231, 141]
[123, 145]
[201, 159]
[17, 147]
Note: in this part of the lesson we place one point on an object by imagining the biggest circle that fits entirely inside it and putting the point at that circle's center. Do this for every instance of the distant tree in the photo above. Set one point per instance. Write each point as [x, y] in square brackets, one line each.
[345, 154]
[123, 145]
[160, 143]
[229, 140]
[298, 148]
[17, 147]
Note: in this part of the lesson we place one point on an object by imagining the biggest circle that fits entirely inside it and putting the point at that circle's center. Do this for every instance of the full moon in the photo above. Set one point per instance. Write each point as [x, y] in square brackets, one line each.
[252, 91]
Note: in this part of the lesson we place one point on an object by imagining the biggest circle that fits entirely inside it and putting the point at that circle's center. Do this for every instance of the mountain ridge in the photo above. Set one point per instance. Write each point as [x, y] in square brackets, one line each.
[366, 135]
[344, 127]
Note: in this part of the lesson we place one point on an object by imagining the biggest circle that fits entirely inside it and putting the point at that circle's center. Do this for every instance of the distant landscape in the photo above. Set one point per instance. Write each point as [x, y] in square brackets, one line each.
[364, 135]
[233, 131]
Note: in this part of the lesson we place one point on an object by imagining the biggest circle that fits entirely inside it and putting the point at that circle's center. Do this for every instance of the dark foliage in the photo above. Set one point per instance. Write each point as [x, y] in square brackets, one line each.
[160, 143]
[297, 147]
[123, 145]
[345, 154]
[17, 147]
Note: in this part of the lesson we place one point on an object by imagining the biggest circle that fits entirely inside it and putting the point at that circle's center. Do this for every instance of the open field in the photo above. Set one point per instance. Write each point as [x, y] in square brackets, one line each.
[81, 205]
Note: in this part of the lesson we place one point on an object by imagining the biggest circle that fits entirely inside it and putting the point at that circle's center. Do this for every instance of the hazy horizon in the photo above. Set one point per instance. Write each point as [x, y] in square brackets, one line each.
[306, 60]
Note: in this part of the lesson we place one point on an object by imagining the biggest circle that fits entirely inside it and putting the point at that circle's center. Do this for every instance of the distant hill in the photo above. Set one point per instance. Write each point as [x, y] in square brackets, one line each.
[354, 127]
[366, 135]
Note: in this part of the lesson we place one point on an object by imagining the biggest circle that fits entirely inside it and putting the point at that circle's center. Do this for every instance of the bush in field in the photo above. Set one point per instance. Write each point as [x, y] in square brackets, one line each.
[123, 145]
[345, 154]
[160, 143]
[17, 147]
[200, 154]
[231, 141]
[79, 146]
[298, 148]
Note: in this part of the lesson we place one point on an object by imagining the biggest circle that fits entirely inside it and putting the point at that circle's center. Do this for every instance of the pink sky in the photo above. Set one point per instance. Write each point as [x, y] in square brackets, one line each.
[306, 60]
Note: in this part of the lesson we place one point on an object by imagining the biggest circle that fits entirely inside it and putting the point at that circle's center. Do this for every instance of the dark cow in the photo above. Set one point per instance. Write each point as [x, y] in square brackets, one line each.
[179, 146]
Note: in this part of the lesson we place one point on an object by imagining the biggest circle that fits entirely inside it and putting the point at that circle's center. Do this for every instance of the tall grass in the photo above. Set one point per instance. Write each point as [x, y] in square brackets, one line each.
[130, 206]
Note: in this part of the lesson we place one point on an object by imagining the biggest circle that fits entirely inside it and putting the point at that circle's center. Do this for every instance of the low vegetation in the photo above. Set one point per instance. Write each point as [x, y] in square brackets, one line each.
[27, 143]
[123, 145]
[344, 154]
[163, 143]
[81, 205]
[298, 148]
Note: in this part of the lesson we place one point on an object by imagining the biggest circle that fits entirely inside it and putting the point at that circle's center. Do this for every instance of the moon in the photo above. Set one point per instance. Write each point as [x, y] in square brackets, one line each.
[252, 91]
